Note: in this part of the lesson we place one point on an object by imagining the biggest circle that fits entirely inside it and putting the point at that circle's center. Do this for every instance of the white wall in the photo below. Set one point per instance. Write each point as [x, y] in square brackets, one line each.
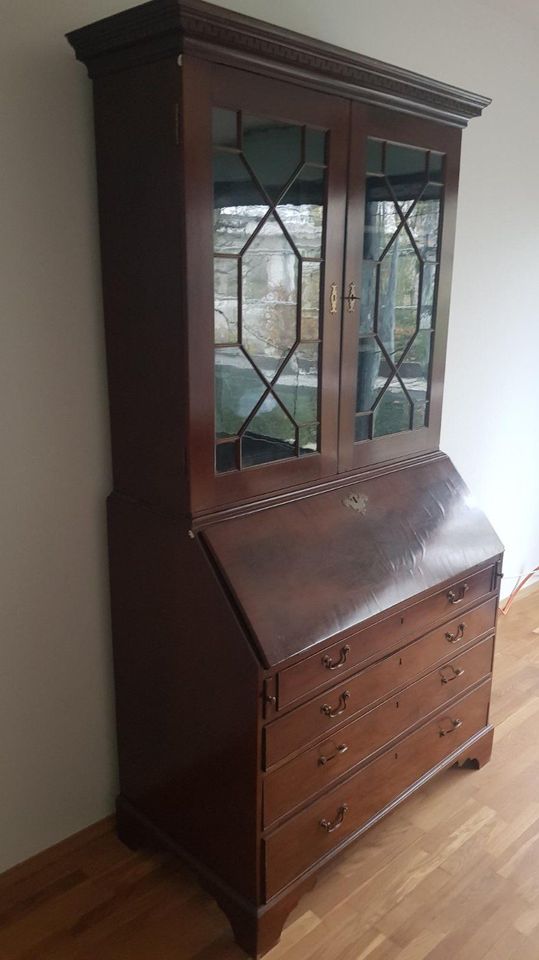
[57, 768]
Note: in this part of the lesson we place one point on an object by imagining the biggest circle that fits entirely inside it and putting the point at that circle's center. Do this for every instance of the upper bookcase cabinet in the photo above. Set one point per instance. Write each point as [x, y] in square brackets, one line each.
[277, 224]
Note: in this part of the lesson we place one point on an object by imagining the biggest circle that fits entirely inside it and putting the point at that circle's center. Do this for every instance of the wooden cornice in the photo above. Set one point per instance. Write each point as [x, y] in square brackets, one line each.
[163, 28]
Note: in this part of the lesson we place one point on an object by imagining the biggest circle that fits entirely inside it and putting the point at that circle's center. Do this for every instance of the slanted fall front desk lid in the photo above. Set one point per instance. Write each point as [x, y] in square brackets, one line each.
[305, 571]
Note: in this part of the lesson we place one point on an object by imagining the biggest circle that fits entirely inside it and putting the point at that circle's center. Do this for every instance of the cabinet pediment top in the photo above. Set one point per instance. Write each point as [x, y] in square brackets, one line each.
[169, 27]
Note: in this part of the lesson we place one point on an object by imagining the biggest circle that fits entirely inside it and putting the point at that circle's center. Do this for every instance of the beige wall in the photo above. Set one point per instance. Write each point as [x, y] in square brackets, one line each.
[57, 768]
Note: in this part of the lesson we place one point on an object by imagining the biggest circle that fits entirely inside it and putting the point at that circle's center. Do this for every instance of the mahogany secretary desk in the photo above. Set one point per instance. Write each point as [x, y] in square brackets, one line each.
[304, 594]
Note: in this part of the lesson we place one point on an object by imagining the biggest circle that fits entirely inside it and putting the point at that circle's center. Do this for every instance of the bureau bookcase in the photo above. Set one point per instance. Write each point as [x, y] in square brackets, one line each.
[304, 593]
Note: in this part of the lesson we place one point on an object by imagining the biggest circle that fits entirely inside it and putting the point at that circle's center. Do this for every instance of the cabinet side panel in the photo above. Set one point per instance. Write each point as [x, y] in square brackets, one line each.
[139, 180]
[187, 692]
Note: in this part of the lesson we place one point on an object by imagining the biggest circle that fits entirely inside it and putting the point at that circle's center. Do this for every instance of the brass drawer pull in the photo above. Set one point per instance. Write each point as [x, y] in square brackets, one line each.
[340, 708]
[454, 725]
[333, 298]
[456, 671]
[330, 825]
[351, 298]
[457, 597]
[342, 748]
[454, 637]
[336, 664]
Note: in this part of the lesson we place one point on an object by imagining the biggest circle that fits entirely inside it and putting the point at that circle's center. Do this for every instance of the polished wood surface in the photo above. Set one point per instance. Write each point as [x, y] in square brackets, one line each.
[451, 875]
[317, 568]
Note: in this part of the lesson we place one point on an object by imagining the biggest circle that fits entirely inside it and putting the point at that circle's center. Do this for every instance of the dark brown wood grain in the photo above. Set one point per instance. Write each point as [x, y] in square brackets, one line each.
[245, 605]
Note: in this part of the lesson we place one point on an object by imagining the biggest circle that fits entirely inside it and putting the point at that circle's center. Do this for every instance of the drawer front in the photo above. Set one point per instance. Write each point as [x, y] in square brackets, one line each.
[318, 767]
[309, 721]
[300, 679]
[322, 827]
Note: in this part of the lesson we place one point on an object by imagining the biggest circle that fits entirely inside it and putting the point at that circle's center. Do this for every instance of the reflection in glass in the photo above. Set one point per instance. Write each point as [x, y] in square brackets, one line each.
[399, 296]
[310, 300]
[225, 456]
[225, 280]
[270, 292]
[393, 412]
[302, 211]
[270, 435]
[297, 385]
[238, 204]
[399, 285]
[238, 388]
[372, 373]
[273, 150]
[424, 222]
[315, 146]
[308, 439]
[225, 128]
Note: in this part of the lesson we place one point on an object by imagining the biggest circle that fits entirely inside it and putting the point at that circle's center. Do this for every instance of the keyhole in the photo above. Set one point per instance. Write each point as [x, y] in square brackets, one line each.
[400, 661]
[397, 704]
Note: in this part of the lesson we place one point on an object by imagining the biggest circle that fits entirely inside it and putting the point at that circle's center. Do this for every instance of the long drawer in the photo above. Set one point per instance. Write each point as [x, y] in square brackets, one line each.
[304, 677]
[318, 767]
[306, 723]
[322, 827]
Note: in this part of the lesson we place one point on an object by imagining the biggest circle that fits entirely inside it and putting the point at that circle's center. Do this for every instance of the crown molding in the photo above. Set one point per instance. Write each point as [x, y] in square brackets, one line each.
[164, 28]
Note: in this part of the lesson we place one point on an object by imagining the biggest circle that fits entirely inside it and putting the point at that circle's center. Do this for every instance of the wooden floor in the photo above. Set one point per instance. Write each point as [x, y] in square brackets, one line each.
[452, 875]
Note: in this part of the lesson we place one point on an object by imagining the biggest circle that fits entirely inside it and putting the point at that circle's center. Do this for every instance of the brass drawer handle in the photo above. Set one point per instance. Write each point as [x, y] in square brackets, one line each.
[454, 726]
[456, 671]
[336, 664]
[457, 597]
[454, 637]
[333, 298]
[342, 748]
[330, 825]
[340, 708]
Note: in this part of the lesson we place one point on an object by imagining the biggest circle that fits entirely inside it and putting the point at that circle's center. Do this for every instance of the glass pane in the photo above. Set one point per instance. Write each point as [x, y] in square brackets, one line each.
[310, 300]
[238, 388]
[406, 170]
[392, 415]
[273, 150]
[398, 297]
[315, 145]
[238, 204]
[308, 439]
[436, 167]
[269, 436]
[372, 373]
[225, 128]
[382, 219]
[375, 156]
[368, 296]
[424, 221]
[270, 296]
[297, 385]
[428, 289]
[225, 274]
[415, 367]
[225, 456]
[362, 427]
[302, 211]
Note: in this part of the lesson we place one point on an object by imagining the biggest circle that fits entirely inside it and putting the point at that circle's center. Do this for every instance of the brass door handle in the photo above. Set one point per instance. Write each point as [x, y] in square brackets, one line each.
[336, 664]
[457, 597]
[333, 298]
[342, 748]
[351, 298]
[454, 637]
[454, 725]
[330, 825]
[456, 671]
[332, 712]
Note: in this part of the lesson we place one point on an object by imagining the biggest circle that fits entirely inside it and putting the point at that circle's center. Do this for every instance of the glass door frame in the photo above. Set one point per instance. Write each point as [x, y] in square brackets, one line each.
[400, 128]
[204, 86]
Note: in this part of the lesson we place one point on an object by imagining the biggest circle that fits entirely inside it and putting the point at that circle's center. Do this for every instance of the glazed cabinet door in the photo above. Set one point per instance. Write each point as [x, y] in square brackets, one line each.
[401, 222]
[265, 167]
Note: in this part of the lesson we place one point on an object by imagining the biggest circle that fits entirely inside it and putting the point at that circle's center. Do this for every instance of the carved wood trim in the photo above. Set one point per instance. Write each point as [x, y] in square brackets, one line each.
[168, 27]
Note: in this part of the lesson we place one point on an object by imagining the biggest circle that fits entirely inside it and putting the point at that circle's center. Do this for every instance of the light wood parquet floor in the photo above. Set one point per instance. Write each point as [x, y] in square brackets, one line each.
[453, 874]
